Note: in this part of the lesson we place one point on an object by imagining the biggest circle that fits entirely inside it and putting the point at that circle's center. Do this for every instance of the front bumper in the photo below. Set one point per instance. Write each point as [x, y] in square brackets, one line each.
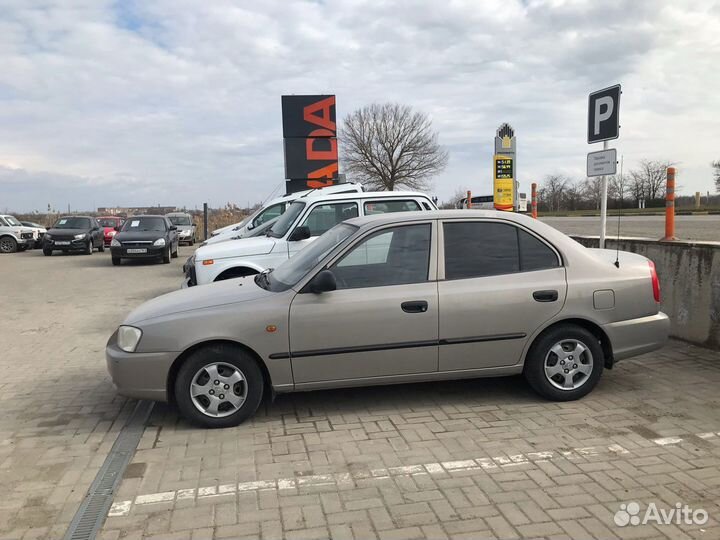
[74, 245]
[150, 252]
[638, 336]
[139, 375]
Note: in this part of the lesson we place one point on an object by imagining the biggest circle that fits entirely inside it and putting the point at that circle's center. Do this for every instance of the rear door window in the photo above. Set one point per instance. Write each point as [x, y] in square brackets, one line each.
[386, 207]
[324, 217]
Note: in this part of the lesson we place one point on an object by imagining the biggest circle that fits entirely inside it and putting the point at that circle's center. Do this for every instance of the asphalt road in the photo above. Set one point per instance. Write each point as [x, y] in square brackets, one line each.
[705, 227]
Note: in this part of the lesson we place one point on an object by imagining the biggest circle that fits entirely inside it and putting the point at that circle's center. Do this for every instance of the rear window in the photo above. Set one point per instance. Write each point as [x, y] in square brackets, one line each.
[387, 207]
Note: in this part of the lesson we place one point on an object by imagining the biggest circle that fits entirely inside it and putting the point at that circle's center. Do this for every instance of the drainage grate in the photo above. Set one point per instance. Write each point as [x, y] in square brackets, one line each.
[94, 508]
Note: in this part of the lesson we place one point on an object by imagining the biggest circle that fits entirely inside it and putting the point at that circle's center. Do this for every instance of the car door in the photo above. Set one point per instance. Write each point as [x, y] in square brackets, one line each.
[381, 322]
[497, 284]
[322, 217]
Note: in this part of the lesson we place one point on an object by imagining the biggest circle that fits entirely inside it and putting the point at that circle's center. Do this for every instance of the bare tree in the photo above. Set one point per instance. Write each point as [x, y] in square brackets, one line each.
[573, 194]
[648, 180]
[552, 190]
[459, 194]
[716, 174]
[386, 146]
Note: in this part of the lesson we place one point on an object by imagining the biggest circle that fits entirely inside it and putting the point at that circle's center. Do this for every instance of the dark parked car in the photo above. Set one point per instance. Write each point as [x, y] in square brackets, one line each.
[74, 233]
[145, 237]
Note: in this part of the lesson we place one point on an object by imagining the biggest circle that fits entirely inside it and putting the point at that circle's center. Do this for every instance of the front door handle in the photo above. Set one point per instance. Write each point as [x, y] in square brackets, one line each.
[545, 296]
[416, 306]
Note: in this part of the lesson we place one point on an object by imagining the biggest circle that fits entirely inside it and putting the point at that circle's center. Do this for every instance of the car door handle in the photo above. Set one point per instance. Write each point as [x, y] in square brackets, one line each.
[545, 296]
[416, 306]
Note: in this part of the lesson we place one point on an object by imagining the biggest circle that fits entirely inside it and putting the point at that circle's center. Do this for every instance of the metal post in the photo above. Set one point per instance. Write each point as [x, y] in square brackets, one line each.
[469, 199]
[670, 206]
[533, 200]
[205, 221]
[603, 204]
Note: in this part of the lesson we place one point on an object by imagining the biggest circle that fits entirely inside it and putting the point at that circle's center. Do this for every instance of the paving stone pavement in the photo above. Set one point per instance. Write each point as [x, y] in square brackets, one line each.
[457, 459]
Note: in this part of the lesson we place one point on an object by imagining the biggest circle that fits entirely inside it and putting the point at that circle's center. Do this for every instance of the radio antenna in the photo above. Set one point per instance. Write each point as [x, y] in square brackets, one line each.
[622, 193]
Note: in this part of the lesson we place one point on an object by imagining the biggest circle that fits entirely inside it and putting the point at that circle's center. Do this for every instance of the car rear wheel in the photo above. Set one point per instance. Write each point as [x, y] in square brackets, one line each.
[564, 363]
[8, 244]
[47, 252]
[219, 386]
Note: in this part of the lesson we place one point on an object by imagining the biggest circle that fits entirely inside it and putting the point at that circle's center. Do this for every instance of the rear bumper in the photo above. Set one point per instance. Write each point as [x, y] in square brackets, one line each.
[638, 336]
[139, 375]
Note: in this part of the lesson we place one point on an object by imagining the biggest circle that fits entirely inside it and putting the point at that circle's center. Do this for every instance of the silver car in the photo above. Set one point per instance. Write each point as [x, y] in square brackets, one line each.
[395, 298]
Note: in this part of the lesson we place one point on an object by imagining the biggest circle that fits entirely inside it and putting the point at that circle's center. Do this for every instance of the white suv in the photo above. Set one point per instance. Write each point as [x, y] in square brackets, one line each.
[14, 236]
[271, 210]
[303, 221]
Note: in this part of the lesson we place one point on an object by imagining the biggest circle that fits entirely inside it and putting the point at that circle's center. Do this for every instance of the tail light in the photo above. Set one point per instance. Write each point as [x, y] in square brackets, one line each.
[655, 281]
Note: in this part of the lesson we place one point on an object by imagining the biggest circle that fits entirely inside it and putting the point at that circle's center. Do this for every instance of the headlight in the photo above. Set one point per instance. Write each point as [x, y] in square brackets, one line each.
[159, 242]
[128, 338]
[112, 233]
[80, 236]
[115, 243]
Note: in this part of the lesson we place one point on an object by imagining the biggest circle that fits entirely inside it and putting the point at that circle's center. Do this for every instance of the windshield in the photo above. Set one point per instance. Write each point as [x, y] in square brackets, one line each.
[295, 268]
[284, 222]
[180, 220]
[261, 230]
[72, 223]
[139, 224]
[108, 222]
[12, 221]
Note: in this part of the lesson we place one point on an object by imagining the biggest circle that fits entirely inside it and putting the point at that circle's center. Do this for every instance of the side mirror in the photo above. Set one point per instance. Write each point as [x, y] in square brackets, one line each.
[250, 226]
[324, 281]
[117, 228]
[300, 233]
[173, 228]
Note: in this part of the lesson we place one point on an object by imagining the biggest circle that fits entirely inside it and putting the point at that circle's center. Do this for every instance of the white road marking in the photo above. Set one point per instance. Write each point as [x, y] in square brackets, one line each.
[348, 479]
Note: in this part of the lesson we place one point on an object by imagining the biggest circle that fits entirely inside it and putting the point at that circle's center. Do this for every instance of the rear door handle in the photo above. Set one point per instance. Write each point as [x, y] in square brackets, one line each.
[545, 296]
[416, 306]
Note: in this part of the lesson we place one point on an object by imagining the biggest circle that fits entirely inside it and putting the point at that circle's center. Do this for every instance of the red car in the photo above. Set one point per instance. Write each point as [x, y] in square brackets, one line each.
[108, 224]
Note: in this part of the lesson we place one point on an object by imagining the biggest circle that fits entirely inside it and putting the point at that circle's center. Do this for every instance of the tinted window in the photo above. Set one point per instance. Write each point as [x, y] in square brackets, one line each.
[324, 217]
[180, 220]
[136, 224]
[386, 207]
[108, 222]
[534, 255]
[490, 249]
[394, 256]
[475, 249]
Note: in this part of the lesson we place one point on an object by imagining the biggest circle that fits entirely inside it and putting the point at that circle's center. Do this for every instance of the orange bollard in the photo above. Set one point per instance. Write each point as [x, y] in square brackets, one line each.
[469, 199]
[670, 206]
[533, 200]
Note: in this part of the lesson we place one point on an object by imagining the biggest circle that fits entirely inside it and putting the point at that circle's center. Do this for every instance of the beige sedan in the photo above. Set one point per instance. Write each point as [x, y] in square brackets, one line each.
[395, 298]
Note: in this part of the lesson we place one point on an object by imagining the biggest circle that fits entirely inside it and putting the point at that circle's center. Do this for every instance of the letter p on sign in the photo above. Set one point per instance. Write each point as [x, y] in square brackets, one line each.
[603, 114]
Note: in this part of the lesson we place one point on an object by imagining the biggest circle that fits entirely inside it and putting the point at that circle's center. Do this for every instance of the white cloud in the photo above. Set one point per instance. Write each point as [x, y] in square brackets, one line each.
[178, 101]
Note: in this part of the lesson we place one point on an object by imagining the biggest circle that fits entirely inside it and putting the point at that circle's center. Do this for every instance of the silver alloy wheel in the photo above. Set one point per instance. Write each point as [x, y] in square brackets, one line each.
[568, 364]
[7, 245]
[218, 389]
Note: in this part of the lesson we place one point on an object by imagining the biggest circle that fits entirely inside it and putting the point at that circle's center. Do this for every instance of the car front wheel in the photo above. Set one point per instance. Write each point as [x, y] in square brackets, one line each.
[47, 252]
[8, 244]
[89, 248]
[219, 386]
[564, 363]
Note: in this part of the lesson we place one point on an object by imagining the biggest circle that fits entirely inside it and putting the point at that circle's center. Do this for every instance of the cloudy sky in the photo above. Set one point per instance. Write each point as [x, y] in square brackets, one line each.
[176, 102]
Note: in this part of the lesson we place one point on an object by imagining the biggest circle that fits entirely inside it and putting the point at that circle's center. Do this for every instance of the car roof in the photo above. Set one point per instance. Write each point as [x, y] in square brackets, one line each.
[146, 215]
[108, 217]
[67, 217]
[369, 195]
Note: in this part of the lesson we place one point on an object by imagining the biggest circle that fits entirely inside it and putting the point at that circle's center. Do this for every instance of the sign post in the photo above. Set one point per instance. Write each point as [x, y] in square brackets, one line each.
[504, 173]
[603, 125]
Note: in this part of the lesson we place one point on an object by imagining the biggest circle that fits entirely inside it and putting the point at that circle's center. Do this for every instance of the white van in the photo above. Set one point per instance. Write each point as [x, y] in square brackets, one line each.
[303, 221]
[273, 209]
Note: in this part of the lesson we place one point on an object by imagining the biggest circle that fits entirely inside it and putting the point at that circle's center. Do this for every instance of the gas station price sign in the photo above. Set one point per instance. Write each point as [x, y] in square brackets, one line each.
[503, 168]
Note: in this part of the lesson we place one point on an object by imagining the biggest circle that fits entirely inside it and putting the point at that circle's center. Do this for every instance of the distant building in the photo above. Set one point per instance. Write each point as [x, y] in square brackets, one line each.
[135, 210]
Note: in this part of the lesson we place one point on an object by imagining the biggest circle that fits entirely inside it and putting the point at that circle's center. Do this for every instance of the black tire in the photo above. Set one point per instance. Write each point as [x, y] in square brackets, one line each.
[89, 248]
[101, 248]
[22, 248]
[116, 261]
[540, 351]
[8, 244]
[47, 252]
[192, 241]
[166, 256]
[226, 354]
